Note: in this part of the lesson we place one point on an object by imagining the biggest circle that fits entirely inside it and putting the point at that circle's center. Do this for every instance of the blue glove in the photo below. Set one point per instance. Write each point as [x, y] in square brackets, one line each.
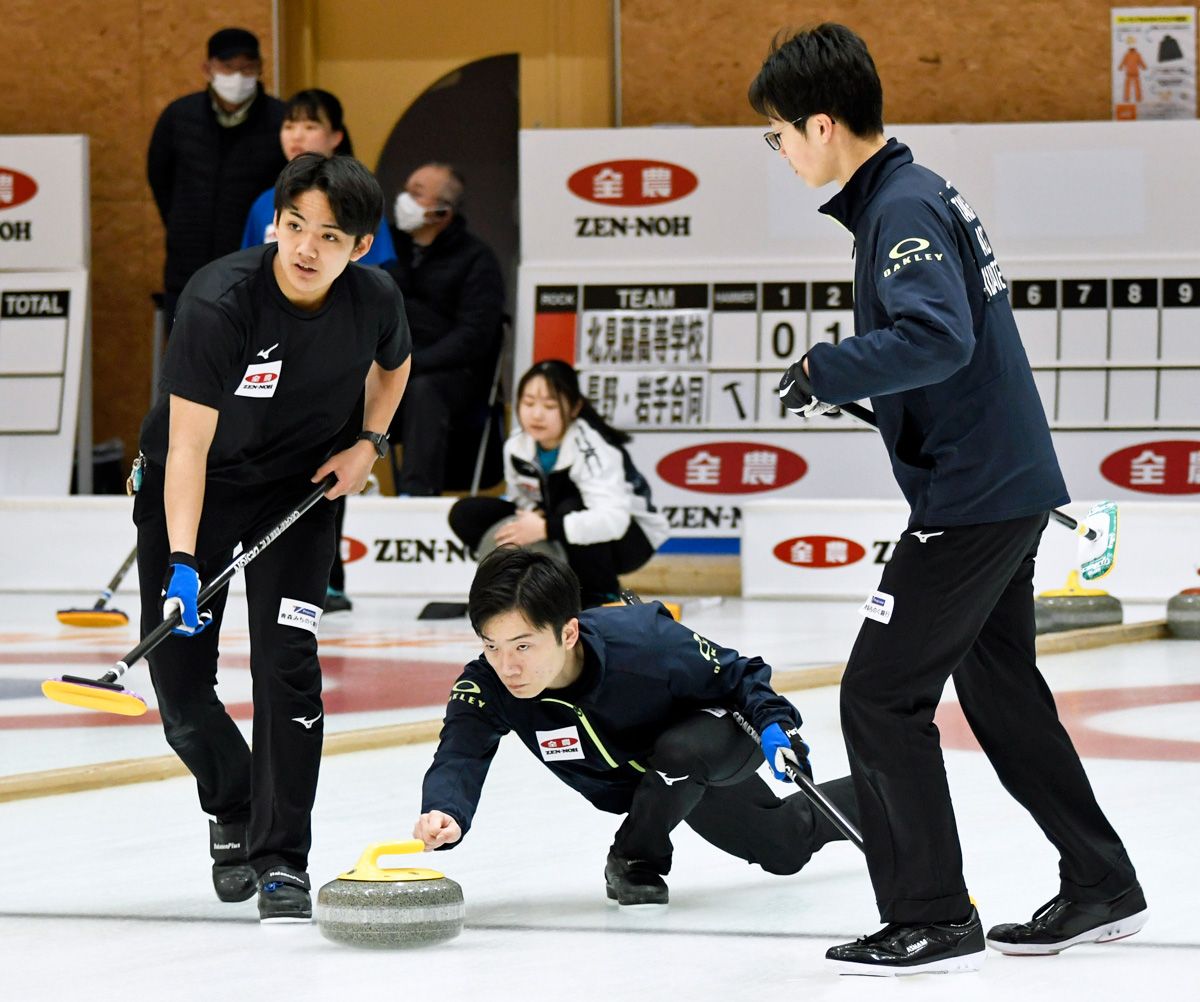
[796, 392]
[782, 747]
[180, 590]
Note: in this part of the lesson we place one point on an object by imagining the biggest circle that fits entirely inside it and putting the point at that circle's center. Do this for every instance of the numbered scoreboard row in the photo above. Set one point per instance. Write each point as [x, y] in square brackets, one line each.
[717, 399]
[699, 326]
[747, 400]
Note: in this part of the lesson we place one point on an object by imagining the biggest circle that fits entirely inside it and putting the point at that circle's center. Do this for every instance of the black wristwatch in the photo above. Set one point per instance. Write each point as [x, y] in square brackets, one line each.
[379, 441]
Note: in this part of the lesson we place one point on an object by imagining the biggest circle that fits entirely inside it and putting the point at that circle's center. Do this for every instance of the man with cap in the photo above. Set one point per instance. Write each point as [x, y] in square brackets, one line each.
[210, 155]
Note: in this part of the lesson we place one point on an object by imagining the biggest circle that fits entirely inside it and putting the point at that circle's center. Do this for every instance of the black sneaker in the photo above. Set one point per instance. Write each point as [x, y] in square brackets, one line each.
[633, 882]
[283, 895]
[1061, 923]
[336, 601]
[938, 948]
[233, 877]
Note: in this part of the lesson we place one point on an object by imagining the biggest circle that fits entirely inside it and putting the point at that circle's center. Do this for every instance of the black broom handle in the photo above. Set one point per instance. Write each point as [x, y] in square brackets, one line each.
[1062, 518]
[160, 632]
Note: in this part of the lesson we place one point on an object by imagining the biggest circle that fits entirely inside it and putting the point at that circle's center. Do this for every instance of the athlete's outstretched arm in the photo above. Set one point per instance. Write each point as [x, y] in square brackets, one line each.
[192, 429]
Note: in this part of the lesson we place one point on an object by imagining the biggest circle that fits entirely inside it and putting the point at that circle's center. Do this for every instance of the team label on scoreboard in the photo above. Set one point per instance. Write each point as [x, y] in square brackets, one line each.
[688, 355]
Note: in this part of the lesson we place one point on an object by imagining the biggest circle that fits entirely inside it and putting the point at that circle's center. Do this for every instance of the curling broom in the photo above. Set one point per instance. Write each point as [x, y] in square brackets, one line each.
[99, 614]
[106, 693]
[1097, 532]
[816, 796]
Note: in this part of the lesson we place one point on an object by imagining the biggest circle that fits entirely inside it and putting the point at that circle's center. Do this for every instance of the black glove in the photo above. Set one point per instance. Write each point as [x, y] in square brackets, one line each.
[781, 748]
[796, 392]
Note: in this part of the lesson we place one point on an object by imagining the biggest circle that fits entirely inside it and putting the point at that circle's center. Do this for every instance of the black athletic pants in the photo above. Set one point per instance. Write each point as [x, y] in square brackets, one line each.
[432, 402]
[274, 789]
[595, 564]
[337, 572]
[703, 772]
[962, 607]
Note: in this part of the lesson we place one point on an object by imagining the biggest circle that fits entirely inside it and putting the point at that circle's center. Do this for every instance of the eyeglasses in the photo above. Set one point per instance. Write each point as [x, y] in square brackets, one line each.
[772, 138]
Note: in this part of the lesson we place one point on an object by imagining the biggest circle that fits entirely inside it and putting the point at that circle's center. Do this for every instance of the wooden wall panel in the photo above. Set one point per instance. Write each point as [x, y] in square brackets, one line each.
[954, 61]
[108, 70]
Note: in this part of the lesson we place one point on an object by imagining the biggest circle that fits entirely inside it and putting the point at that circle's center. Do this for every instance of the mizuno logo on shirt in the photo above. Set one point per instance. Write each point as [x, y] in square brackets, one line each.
[671, 780]
[924, 537]
[306, 722]
[267, 351]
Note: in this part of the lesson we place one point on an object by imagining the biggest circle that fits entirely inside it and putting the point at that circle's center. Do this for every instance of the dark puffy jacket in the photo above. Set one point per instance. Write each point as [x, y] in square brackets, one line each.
[937, 351]
[205, 178]
[454, 299]
[643, 673]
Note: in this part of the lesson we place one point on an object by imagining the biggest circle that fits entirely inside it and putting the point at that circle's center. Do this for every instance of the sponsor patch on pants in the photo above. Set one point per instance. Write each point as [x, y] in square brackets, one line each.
[878, 607]
[302, 615]
[561, 744]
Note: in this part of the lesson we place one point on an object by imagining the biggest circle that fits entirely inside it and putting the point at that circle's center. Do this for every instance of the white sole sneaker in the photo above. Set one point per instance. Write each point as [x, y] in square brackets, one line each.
[951, 965]
[286, 920]
[1107, 932]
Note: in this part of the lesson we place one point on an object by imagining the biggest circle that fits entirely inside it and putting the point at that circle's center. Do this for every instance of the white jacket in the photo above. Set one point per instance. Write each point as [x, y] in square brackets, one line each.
[611, 488]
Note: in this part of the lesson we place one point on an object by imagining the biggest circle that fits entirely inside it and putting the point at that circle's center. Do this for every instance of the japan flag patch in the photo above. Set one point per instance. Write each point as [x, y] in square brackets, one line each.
[260, 380]
[878, 607]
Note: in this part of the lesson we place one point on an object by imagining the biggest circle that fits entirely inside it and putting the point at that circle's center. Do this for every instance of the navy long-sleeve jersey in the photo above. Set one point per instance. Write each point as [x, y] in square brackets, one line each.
[937, 351]
[642, 673]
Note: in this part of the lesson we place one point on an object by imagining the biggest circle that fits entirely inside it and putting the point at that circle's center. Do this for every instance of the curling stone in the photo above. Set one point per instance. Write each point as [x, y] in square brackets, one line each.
[1183, 614]
[1074, 607]
[373, 906]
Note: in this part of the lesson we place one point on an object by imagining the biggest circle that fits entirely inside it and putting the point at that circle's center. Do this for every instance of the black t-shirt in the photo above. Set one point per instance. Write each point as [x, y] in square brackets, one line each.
[288, 383]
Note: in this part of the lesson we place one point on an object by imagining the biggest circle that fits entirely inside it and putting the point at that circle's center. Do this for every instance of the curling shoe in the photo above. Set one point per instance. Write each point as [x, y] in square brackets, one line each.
[283, 896]
[937, 948]
[633, 882]
[233, 877]
[1062, 923]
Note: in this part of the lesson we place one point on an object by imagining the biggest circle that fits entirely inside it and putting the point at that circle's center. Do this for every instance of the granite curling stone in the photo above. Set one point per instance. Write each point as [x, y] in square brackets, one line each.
[1183, 614]
[1074, 607]
[372, 906]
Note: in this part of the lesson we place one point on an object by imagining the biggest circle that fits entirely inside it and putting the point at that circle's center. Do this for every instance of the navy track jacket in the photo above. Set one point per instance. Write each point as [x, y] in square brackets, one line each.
[937, 351]
[643, 672]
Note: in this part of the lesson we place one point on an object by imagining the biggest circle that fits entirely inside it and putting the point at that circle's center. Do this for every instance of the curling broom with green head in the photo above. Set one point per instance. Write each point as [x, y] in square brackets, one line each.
[1097, 532]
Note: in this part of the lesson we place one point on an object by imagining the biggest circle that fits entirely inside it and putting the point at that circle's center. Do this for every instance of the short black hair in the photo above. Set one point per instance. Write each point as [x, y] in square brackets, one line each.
[355, 197]
[542, 589]
[826, 69]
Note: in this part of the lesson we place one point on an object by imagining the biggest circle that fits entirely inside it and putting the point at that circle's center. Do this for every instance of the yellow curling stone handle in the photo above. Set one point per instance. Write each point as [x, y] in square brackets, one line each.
[368, 868]
[1073, 589]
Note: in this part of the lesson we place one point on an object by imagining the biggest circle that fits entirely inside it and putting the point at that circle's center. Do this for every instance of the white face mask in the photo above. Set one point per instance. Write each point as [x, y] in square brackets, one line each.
[233, 87]
[410, 214]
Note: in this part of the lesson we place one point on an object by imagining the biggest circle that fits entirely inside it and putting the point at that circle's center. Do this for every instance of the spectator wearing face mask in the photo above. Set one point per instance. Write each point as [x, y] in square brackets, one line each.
[210, 155]
[454, 298]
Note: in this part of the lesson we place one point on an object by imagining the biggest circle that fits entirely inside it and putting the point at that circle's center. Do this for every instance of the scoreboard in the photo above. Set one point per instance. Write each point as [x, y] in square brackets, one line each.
[681, 331]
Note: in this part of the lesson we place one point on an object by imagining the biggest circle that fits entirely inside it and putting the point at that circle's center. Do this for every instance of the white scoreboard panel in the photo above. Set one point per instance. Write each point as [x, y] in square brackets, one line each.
[681, 301]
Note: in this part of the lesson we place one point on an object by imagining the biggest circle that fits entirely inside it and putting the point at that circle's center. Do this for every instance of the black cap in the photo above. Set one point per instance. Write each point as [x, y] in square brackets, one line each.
[230, 42]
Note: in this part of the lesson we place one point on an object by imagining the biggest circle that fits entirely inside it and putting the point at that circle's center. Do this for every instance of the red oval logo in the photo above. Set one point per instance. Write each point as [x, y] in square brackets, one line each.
[819, 551]
[633, 182]
[15, 187]
[1171, 466]
[731, 468]
[352, 549]
[553, 743]
[262, 377]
